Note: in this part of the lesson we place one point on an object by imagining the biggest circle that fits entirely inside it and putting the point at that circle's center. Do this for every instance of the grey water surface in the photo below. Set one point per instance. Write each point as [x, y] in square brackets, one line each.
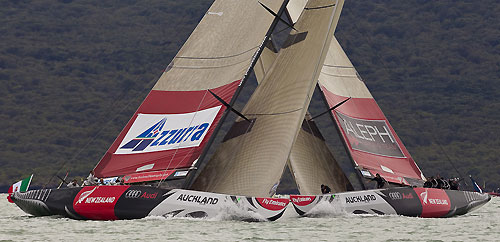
[480, 225]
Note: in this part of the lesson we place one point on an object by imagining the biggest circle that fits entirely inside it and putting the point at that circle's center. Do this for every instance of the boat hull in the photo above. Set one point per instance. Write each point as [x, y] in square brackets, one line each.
[134, 202]
[415, 202]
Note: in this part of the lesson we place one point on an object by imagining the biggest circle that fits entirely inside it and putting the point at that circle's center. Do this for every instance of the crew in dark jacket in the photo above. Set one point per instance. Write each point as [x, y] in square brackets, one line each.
[325, 189]
[380, 181]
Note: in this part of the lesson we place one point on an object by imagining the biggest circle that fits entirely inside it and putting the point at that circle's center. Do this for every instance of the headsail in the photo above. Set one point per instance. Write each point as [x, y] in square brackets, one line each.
[311, 161]
[177, 118]
[251, 159]
[370, 139]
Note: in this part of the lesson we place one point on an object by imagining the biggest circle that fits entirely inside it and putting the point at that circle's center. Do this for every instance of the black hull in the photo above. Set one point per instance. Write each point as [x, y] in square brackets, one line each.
[413, 202]
[135, 202]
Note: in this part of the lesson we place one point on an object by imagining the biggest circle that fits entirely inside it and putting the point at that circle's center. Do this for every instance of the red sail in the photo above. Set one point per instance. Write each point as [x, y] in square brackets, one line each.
[178, 117]
[372, 142]
[168, 131]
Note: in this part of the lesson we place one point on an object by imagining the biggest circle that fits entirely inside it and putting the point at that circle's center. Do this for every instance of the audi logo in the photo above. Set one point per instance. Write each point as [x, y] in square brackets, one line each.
[395, 195]
[133, 194]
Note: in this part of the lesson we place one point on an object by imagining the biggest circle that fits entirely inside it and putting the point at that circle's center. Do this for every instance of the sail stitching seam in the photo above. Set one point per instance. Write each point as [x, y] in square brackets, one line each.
[218, 57]
[285, 112]
[349, 67]
[209, 67]
[352, 76]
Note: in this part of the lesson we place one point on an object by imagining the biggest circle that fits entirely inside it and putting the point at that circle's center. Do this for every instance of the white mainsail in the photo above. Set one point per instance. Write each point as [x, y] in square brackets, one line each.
[311, 163]
[252, 161]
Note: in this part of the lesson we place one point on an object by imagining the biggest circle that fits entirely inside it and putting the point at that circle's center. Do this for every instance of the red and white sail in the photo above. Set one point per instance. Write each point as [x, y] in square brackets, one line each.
[169, 131]
[371, 141]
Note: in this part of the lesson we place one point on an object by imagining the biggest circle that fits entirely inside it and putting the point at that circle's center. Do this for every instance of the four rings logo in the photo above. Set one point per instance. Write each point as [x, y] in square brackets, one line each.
[395, 195]
[139, 194]
[133, 194]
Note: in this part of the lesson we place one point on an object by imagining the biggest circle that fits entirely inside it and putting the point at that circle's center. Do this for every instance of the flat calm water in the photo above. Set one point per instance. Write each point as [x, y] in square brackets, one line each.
[480, 225]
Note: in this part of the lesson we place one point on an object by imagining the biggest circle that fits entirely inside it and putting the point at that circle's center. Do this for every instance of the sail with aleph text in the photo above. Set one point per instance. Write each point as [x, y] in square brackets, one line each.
[370, 140]
[169, 131]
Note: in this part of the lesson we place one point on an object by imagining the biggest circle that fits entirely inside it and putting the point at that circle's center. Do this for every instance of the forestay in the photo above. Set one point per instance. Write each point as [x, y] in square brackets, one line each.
[174, 123]
[253, 155]
[370, 139]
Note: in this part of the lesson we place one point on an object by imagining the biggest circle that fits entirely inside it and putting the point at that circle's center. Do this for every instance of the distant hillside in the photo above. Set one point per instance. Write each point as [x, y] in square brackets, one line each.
[73, 72]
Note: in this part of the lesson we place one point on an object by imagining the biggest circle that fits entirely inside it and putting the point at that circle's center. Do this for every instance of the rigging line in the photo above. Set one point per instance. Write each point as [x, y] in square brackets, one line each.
[111, 107]
[448, 159]
[178, 145]
[217, 57]
[95, 136]
[320, 7]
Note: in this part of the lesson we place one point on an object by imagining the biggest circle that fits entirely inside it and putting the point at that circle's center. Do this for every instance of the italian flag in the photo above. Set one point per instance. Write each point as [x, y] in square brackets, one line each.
[20, 186]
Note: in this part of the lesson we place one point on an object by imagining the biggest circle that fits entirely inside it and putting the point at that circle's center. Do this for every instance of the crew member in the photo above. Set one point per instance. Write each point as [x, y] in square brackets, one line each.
[440, 182]
[428, 182]
[73, 184]
[380, 181]
[325, 189]
[91, 180]
[454, 183]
